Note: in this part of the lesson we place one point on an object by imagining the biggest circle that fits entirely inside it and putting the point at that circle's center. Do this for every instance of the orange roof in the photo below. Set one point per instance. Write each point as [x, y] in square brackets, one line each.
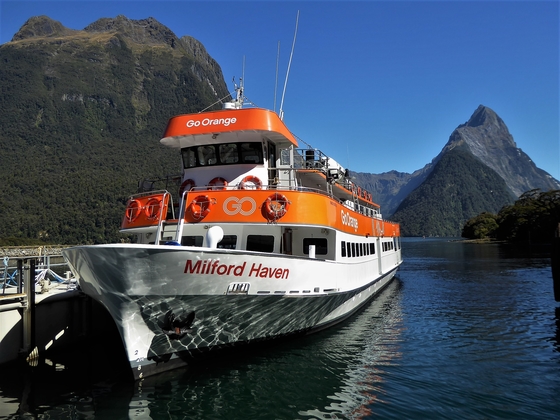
[182, 129]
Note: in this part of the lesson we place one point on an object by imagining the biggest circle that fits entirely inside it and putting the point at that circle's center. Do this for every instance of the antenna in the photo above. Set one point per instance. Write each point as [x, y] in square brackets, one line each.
[276, 81]
[288, 71]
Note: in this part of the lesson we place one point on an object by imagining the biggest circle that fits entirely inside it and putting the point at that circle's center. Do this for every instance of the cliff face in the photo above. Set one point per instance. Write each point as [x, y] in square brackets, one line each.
[81, 116]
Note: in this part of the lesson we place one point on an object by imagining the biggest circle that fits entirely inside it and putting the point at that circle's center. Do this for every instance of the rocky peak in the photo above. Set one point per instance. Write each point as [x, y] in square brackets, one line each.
[487, 137]
[144, 31]
[41, 26]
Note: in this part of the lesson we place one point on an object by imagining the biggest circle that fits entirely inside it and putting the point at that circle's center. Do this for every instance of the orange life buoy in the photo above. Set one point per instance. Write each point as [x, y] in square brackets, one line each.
[187, 185]
[200, 207]
[359, 191]
[250, 183]
[218, 183]
[132, 210]
[152, 208]
[276, 206]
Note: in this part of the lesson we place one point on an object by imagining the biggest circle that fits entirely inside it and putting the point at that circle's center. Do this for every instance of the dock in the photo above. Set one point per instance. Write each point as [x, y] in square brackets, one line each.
[40, 310]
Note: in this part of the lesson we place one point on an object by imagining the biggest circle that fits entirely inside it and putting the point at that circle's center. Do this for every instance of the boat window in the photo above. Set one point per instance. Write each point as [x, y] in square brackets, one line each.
[228, 153]
[353, 249]
[261, 243]
[228, 242]
[343, 248]
[207, 155]
[348, 249]
[251, 153]
[285, 157]
[222, 154]
[320, 245]
[372, 248]
[189, 157]
[191, 240]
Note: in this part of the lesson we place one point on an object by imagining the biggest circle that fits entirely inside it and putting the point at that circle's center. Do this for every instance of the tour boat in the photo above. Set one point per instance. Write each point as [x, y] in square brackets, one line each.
[255, 240]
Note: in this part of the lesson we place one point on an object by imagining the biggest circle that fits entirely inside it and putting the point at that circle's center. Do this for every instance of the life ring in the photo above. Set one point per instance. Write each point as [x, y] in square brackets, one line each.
[276, 206]
[187, 185]
[359, 191]
[250, 183]
[153, 208]
[200, 207]
[218, 183]
[132, 210]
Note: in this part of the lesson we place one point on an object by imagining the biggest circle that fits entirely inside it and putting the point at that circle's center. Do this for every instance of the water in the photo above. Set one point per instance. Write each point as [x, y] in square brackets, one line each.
[465, 332]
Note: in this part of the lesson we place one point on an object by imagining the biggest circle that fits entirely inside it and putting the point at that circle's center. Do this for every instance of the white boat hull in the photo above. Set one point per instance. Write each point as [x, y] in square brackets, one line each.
[218, 297]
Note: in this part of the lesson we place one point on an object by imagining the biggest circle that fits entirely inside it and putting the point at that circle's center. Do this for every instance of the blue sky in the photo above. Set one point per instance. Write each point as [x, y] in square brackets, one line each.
[376, 85]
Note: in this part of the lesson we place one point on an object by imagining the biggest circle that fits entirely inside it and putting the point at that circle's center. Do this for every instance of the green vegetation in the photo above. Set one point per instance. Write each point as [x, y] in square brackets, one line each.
[459, 187]
[80, 123]
[532, 218]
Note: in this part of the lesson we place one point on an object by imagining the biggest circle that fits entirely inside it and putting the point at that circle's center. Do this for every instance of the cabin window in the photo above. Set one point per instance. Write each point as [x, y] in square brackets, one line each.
[285, 157]
[251, 153]
[320, 245]
[222, 154]
[343, 248]
[261, 243]
[191, 240]
[207, 155]
[348, 249]
[372, 248]
[228, 153]
[189, 157]
[228, 242]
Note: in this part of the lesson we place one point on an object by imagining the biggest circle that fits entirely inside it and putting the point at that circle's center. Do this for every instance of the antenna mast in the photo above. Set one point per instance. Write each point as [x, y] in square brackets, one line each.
[288, 72]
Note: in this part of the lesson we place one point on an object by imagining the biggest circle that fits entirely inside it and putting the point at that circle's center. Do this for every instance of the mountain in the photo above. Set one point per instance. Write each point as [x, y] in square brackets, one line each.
[459, 187]
[493, 173]
[81, 115]
[486, 136]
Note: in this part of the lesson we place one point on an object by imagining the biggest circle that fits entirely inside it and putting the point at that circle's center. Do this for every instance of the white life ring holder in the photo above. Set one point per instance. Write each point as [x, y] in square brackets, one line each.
[153, 208]
[200, 207]
[133, 210]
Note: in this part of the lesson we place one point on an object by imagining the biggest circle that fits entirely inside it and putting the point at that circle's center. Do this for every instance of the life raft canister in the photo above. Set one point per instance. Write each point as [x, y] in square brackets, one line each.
[132, 210]
[250, 183]
[187, 185]
[153, 208]
[218, 183]
[200, 207]
[276, 206]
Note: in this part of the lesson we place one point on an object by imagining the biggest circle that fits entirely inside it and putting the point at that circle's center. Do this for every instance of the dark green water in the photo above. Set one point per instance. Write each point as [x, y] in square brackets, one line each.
[465, 332]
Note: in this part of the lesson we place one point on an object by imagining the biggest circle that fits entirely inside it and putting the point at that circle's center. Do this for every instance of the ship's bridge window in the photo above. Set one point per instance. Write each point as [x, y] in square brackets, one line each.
[228, 153]
[320, 245]
[251, 153]
[207, 155]
[222, 154]
[189, 157]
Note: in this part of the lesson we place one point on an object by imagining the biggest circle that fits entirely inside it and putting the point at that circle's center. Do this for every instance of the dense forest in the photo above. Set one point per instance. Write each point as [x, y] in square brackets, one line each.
[80, 123]
[533, 218]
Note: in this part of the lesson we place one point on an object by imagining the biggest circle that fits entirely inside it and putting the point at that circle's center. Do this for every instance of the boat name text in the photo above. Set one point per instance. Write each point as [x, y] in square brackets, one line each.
[349, 220]
[211, 121]
[214, 267]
